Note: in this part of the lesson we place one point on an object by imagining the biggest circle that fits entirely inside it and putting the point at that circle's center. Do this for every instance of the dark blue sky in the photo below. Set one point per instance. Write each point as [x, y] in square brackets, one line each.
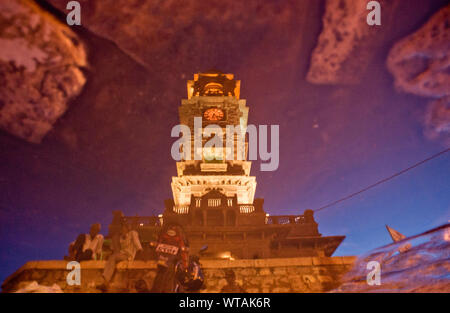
[121, 158]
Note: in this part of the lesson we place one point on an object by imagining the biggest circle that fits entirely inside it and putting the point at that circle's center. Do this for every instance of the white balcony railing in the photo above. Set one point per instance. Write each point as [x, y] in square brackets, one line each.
[184, 209]
[214, 202]
[247, 209]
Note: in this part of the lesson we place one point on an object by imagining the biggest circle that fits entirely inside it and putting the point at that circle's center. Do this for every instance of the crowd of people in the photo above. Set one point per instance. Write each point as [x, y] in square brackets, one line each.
[177, 271]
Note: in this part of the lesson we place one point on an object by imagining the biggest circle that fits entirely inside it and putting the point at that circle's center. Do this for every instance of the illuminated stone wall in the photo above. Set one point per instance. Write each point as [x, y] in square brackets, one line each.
[308, 274]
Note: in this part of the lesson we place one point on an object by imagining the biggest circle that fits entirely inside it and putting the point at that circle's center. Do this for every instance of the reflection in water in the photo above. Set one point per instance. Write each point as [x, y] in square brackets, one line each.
[423, 267]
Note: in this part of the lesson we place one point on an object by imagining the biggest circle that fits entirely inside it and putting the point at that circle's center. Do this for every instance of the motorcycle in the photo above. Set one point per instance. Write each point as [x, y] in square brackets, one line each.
[192, 278]
[167, 258]
[172, 275]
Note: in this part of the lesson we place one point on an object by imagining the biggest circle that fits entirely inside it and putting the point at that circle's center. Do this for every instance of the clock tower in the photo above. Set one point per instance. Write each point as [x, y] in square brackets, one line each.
[214, 97]
[214, 193]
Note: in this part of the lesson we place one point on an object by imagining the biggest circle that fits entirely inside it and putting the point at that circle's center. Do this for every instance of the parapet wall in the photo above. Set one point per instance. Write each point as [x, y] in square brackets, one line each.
[306, 274]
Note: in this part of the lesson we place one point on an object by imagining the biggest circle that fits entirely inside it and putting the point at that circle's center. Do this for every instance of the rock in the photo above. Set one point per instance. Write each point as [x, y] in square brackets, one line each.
[34, 287]
[420, 62]
[437, 120]
[347, 43]
[176, 37]
[420, 65]
[40, 69]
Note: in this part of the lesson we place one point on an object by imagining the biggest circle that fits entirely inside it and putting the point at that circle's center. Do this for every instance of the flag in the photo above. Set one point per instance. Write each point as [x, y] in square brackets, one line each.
[396, 236]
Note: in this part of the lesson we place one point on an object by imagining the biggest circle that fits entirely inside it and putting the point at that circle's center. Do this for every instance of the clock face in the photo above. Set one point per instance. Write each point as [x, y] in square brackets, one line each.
[213, 114]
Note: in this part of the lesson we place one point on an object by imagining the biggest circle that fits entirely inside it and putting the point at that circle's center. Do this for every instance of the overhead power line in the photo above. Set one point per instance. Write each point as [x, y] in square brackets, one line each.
[382, 181]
